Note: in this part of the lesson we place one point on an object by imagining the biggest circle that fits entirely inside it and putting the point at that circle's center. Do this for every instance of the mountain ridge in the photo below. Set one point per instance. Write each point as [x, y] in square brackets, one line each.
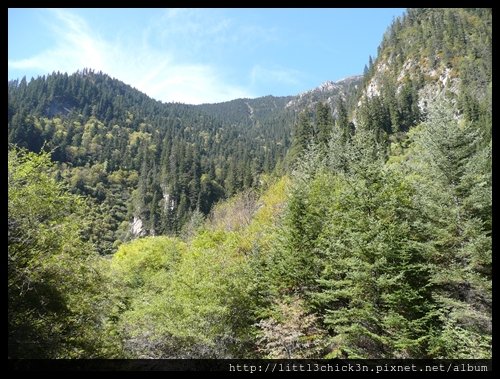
[325, 87]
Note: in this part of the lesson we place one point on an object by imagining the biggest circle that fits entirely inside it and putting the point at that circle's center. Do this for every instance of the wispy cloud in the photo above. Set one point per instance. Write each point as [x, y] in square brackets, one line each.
[75, 46]
[156, 71]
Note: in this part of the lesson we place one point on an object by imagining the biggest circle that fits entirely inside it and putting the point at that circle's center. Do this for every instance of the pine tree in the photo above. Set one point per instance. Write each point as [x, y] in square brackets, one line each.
[445, 151]
[302, 136]
[346, 128]
[324, 123]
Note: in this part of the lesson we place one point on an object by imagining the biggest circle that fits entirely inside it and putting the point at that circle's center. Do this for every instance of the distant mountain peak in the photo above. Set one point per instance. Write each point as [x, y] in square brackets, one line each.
[327, 86]
[327, 91]
[330, 85]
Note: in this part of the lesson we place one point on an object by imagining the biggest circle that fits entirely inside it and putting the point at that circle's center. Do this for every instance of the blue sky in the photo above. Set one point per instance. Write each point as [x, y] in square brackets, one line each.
[199, 55]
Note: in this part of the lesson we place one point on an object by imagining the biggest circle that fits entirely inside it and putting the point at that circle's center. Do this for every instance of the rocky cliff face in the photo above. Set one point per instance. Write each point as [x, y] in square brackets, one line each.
[425, 53]
[328, 92]
[436, 81]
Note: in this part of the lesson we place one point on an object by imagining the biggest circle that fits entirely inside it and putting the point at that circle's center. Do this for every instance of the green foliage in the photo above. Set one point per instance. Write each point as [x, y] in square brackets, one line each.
[345, 248]
[393, 257]
[303, 135]
[324, 122]
[174, 308]
[194, 299]
[315, 131]
[445, 150]
[55, 283]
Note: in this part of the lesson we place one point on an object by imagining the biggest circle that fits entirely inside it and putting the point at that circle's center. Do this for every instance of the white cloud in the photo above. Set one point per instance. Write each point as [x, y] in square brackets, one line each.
[194, 84]
[157, 72]
[74, 47]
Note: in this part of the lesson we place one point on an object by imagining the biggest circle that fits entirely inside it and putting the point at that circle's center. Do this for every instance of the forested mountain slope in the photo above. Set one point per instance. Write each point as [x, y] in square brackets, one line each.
[355, 222]
[140, 159]
[426, 53]
[149, 166]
